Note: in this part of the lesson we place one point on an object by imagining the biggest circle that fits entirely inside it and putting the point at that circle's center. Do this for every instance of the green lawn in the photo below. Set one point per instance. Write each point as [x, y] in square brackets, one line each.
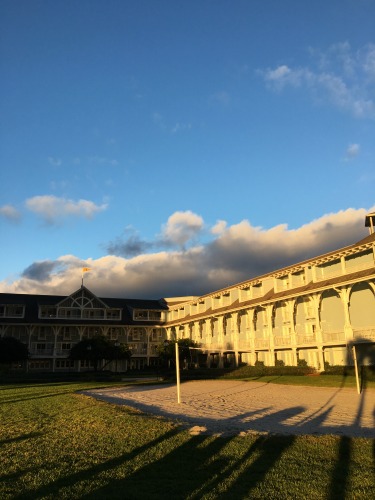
[56, 443]
[315, 380]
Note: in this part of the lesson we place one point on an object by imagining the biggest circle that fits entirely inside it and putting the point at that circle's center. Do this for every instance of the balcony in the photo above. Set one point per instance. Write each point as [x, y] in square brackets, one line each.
[282, 341]
[62, 352]
[307, 339]
[364, 334]
[41, 352]
[349, 268]
[261, 343]
[244, 345]
[333, 337]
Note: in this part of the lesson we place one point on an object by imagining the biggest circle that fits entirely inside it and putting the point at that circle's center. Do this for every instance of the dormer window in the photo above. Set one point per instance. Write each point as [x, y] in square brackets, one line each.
[147, 315]
[12, 311]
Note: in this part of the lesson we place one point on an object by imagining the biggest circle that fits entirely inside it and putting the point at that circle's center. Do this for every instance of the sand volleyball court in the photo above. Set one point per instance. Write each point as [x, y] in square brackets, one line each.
[236, 407]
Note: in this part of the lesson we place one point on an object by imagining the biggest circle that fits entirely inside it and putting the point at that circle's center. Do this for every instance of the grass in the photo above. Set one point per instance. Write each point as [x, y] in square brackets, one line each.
[313, 380]
[57, 443]
[341, 377]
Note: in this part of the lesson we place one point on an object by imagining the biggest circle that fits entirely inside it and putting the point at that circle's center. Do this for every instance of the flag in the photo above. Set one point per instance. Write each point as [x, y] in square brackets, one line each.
[86, 269]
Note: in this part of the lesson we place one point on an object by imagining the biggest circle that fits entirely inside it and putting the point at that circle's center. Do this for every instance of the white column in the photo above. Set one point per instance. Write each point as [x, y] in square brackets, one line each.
[269, 309]
[235, 333]
[344, 296]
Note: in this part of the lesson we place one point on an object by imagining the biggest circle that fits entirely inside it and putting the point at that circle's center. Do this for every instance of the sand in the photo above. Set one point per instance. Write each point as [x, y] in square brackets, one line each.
[230, 408]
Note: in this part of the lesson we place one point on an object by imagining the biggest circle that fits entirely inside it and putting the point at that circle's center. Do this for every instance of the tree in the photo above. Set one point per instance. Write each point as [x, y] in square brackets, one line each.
[99, 348]
[167, 350]
[12, 351]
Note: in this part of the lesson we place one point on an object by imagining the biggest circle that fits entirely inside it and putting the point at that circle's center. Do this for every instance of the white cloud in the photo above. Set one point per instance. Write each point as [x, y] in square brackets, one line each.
[352, 151]
[340, 76]
[219, 227]
[280, 73]
[52, 209]
[10, 213]
[181, 227]
[238, 252]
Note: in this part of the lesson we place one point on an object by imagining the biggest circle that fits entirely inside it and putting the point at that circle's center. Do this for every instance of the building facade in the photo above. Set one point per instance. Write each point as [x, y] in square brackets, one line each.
[51, 325]
[315, 311]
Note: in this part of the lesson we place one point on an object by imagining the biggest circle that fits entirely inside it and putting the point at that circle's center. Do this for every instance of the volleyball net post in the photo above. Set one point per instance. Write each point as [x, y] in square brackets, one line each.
[178, 374]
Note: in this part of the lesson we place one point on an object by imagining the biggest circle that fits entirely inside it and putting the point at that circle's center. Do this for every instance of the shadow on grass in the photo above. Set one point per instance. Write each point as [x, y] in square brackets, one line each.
[340, 474]
[191, 467]
[52, 488]
[20, 438]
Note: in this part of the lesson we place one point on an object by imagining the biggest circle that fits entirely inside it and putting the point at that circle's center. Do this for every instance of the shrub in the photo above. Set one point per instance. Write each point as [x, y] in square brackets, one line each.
[302, 363]
[279, 362]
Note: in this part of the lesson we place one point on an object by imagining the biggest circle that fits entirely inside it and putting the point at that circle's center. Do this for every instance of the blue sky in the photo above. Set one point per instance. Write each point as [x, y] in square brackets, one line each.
[176, 147]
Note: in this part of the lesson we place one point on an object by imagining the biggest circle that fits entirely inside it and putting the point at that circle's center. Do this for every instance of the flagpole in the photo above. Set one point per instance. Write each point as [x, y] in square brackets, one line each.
[84, 270]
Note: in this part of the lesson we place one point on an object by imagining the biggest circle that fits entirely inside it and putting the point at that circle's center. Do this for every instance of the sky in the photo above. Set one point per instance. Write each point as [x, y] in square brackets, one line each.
[178, 147]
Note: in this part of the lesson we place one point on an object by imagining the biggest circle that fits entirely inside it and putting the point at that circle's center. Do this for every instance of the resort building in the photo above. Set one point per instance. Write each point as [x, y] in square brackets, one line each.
[50, 325]
[315, 311]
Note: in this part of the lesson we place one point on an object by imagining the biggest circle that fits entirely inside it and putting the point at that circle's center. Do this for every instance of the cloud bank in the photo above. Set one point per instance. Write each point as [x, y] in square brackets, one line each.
[233, 254]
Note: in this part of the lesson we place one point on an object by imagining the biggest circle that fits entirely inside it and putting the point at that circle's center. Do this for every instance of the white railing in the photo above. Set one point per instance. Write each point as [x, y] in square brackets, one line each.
[348, 270]
[281, 341]
[306, 339]
[333, 336]
[41, 352]
[262, 343]
[364, 333]
[62, 352]
[244, 345]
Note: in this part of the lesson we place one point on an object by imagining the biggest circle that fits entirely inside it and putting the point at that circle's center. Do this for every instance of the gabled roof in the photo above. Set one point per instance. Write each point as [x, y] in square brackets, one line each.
[33, 302]
[80, 298]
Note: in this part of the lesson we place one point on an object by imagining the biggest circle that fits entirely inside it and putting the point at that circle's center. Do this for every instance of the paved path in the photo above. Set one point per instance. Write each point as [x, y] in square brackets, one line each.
[238, 407]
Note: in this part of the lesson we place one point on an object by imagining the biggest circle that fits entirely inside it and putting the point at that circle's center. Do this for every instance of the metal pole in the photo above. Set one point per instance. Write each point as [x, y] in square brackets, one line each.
[178, 374]
[356, 369]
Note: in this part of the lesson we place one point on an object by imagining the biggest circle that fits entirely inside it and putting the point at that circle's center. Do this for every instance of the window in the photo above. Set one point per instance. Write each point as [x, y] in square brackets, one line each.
[92, 331]
[64, 363]
[93, 313]
[42, 334]
[67, 334]
[113, 313]
[146, 315]
[12, 311]
[155, 315]
[47, 312]
[69, 313]
[156, 335]
[140, 314]
[136, 335]
[40, 364]
[85, 363]
[114, 333]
